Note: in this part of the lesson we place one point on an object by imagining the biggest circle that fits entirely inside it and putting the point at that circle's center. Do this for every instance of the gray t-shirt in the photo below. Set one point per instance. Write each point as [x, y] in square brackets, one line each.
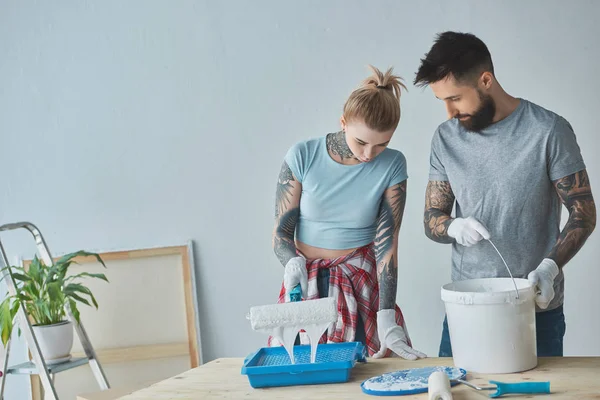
[502, 176]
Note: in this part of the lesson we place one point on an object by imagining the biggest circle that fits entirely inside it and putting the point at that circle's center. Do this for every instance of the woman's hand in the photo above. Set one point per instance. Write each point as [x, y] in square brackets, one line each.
[295, 273]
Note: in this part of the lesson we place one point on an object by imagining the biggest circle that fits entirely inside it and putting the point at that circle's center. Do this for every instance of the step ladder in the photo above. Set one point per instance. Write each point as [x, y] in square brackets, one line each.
[38, 366]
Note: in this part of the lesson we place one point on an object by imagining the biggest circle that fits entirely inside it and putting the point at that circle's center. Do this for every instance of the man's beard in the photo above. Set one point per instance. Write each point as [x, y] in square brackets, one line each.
[483, 117]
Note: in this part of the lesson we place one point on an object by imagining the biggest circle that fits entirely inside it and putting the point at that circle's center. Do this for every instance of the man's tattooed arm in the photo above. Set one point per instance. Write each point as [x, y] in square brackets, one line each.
[576, 194]
[337, 146]
[439, 200]
[386, 243]
[287, 212]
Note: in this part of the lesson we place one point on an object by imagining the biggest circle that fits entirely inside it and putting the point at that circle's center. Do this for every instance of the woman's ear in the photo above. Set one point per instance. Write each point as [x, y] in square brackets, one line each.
[343, 123]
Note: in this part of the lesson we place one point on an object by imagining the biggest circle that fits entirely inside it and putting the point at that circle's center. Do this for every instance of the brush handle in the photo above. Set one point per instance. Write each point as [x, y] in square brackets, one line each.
[521, 387]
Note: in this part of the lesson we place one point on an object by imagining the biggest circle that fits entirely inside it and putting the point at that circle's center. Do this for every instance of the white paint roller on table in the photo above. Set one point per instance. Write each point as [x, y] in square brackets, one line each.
[439, 386]
[284, 320]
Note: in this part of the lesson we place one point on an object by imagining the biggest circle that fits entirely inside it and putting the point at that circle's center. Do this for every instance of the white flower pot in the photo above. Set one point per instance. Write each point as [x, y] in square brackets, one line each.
[55, 341]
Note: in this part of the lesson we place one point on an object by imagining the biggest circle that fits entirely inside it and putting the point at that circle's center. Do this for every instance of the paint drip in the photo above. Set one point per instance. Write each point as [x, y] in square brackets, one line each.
[286, 335]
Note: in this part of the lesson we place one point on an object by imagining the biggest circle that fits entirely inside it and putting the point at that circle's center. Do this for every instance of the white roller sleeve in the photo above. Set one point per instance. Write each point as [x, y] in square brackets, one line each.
[295, 313]
[439, 386]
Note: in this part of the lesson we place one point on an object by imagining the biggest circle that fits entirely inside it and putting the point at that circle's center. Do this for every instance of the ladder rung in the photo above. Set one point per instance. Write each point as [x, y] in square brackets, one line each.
[29, 368]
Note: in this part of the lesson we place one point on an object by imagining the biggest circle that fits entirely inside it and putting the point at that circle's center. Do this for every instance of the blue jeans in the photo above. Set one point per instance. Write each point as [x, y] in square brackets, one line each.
[550, 330]
[323, 287]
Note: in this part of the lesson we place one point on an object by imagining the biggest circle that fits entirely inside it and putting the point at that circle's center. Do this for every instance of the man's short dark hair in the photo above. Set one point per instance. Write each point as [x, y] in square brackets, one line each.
[462, 55]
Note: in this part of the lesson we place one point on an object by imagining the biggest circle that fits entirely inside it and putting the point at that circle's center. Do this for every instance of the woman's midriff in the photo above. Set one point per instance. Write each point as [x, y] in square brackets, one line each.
[313, 253]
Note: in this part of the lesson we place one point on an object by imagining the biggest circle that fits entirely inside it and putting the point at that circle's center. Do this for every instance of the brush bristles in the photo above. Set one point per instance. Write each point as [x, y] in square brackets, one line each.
[300, 313]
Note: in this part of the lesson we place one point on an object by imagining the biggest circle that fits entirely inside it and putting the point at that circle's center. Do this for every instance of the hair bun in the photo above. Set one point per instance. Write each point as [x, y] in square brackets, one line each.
[377, 101]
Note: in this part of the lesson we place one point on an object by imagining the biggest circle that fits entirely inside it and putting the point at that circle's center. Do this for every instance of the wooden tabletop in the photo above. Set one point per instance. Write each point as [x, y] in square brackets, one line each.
[570, 378]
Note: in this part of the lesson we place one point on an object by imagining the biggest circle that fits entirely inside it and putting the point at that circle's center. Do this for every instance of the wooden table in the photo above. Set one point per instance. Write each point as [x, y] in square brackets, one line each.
[570, 378]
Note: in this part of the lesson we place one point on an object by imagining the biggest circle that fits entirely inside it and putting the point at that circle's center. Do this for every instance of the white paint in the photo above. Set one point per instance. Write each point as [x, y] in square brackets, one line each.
[391, 384]
[55, 341]
[284, 320]
[491, 331]
[314, 333]
[286, 335]
[438, 386]
[397, 382]
[154, 123]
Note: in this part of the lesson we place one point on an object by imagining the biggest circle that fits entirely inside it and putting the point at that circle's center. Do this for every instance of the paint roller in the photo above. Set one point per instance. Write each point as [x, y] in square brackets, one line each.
[439, 386]
[298, 313]
[284, 320]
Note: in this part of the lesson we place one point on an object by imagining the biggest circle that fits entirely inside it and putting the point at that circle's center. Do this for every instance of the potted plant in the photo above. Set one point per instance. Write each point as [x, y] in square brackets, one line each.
[45, 292]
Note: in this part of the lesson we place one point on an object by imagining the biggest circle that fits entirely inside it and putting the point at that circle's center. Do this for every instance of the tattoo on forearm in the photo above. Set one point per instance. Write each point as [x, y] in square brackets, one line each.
[388, 283]
[336, 145]
[284, 189]
[284, 245]
[390, 219]
[286, 216]
[386, 240]
[439, 200]
[576, 194]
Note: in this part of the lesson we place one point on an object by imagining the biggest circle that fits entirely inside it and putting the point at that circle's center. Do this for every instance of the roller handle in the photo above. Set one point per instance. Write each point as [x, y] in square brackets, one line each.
[361, 353]
[296, 293]
[520, 388]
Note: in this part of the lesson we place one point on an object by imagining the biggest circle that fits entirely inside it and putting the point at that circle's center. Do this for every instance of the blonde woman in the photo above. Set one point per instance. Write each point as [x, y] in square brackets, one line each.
[340, 200]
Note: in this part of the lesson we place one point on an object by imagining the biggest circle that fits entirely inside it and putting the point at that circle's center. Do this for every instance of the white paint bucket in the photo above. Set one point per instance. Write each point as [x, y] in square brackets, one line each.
[491, 331]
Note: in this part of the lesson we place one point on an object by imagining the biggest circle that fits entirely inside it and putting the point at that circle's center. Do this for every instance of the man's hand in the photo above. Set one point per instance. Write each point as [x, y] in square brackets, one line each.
[296, 273]
[393, 337]
[543, 279]
[467, 231]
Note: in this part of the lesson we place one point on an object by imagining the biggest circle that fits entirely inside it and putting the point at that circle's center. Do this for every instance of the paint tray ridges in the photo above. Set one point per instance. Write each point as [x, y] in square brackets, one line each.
[302, 355]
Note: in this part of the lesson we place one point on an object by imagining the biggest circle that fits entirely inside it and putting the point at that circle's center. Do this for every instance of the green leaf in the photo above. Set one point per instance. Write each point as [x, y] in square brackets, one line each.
[55, 295]
[21, 277]
[80, 253]
[93, 300]
[10, 268]
[68, 257]
[74, 310]
[6, 319]
[79, 298]
[24, 297]
[87, 274]
[32, 290]
[35, 269]
[44, 315]
[51, 274]
[76, 287]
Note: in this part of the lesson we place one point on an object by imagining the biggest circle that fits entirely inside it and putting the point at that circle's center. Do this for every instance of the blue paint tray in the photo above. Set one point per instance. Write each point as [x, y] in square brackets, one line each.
[271, 366]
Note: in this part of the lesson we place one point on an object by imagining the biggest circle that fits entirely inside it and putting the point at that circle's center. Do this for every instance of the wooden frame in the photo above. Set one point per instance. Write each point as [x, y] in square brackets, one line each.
[147, 352]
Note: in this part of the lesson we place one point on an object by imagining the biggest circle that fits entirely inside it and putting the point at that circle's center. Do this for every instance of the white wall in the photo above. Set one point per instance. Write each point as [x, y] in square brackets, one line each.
[140, 123]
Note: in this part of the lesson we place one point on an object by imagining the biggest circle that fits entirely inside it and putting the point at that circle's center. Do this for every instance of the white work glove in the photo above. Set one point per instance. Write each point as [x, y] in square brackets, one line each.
[393, 337]
[295, 273]
[467, 231]
[542, 278]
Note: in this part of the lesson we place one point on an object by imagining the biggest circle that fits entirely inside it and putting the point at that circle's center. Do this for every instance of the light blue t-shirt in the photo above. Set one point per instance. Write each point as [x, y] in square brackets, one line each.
[340, 203]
